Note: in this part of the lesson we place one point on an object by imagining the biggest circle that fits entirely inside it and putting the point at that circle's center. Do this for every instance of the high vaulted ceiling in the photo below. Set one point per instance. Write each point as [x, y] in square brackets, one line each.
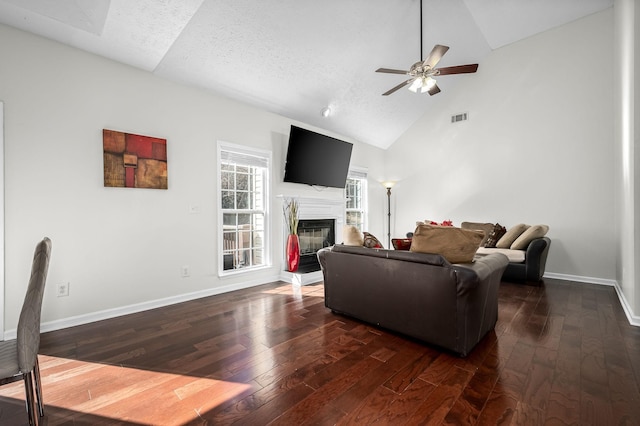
[296, 57]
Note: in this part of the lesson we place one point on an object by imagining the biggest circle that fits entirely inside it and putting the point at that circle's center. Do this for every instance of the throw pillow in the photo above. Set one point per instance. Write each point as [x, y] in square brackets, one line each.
[457, 245]
[536, 231]
[401, 243]
[477, 226]
[351, 236]
[495, 235]
[511, 235]
[371, 242]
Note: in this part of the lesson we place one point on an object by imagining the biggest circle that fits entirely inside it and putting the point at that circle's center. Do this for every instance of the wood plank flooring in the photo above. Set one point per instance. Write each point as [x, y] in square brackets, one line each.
[562, 353]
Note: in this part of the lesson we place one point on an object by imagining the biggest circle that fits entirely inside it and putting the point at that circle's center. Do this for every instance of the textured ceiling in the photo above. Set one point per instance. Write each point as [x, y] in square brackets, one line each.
[295, 57]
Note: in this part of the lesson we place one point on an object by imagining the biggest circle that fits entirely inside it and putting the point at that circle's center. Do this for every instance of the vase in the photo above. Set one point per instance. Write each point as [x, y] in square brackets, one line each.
[293, 253]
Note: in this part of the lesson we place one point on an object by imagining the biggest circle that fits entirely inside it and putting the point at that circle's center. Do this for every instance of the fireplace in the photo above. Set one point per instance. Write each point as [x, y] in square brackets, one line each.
[319, 219]
[314, 234]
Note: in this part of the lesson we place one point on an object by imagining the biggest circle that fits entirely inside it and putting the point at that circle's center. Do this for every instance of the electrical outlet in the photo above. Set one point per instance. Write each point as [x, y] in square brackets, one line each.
[63, 289]
[184, 271]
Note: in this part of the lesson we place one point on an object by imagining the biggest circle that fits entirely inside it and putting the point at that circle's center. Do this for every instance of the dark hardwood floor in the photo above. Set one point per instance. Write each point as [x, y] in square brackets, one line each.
[561, 354]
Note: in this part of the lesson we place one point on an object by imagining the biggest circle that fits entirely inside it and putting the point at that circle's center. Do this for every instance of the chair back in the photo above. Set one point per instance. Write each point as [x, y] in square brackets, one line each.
[28, 338]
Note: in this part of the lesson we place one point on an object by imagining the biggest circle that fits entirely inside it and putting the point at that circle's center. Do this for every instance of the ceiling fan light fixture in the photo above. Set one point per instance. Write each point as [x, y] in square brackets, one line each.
[422, 84]
[417, 84]
[428, 83]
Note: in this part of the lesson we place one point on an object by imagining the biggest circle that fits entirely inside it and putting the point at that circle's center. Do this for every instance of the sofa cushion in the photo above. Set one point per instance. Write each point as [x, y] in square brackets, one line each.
[535, 231]
[457, 245]
[370, 241]
[351, 236]
[514, 256]
[511, 235]
[495, 235]
[477, 226]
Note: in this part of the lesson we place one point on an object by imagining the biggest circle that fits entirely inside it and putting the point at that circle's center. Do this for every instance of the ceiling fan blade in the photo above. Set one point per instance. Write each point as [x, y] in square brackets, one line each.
[398, 87]
[436, 54]
[434, 90]
[459, 69]
[391, 71]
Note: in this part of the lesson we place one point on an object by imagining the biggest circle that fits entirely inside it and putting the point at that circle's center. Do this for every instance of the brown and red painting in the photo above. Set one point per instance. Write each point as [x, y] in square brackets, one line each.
[134, 161]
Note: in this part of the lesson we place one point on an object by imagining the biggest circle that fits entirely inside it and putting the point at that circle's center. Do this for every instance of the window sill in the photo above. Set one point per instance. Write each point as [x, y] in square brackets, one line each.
[241, 271]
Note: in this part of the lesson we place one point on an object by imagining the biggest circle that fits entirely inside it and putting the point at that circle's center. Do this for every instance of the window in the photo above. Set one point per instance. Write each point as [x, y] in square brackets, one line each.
[356, 194]
[243, 194]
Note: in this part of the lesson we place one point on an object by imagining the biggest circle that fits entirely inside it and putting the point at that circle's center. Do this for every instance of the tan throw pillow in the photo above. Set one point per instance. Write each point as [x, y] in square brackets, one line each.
[487, 228]
[351, 236]
[457, 245]
[511, 235]
[536, 231]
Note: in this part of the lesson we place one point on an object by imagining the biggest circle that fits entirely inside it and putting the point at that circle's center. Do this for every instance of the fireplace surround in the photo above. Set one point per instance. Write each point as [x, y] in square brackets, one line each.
[315, 211]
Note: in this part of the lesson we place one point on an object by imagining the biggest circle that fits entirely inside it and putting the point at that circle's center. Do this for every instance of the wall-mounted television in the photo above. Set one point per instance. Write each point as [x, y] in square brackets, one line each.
[316, 159]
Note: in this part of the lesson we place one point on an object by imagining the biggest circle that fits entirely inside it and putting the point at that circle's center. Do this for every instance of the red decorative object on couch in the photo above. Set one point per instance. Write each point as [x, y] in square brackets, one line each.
[443, 223]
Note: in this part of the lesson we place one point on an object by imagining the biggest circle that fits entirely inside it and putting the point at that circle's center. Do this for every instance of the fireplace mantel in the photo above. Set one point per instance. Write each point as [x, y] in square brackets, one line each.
[312, 208]
[319, 208]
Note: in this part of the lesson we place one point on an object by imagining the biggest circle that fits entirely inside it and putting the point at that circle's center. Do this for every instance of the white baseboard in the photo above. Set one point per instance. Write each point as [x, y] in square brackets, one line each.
[139, 307]
[633, 319]
[301, 279]
[580, 279]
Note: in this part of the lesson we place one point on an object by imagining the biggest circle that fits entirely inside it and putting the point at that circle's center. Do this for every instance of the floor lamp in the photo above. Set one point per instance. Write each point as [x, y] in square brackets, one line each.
[388, 185]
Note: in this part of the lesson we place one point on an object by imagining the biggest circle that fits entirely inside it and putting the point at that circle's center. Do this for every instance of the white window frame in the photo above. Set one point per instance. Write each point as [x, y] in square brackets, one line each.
[359, 174]
[249, 154]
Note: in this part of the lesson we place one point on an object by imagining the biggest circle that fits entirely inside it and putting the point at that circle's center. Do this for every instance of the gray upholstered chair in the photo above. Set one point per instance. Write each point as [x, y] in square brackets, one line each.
[19, 357]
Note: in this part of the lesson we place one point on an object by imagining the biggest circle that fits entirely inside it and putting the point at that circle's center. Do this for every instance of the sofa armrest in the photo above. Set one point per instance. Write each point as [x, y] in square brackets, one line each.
[536, 258]
[485, 265]
[532, 269]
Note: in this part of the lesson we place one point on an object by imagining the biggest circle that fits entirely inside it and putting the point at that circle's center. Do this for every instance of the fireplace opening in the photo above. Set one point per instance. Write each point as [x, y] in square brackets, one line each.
[314, 234]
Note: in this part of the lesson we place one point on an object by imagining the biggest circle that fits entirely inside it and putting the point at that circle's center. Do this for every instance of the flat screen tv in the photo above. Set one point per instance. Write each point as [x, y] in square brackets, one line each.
[316, 159]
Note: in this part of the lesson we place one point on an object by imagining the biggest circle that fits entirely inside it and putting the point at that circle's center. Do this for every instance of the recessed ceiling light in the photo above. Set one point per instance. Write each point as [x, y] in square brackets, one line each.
[326, 112]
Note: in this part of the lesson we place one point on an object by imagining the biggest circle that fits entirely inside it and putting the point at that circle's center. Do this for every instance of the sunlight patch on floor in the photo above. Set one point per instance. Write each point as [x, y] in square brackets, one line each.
[152, 396]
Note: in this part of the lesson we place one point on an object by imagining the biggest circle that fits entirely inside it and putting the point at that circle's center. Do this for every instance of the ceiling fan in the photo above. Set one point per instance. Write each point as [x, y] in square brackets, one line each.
[422, 73]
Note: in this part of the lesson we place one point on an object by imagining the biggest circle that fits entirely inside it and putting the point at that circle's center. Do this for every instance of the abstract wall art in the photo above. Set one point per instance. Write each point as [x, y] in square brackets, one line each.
[134, 161]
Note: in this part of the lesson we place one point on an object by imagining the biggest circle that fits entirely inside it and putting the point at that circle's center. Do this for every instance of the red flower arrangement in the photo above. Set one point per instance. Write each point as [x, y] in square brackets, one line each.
[444, 223]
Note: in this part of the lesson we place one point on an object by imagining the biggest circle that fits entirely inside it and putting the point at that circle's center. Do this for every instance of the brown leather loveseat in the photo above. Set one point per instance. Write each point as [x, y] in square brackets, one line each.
[417, 294]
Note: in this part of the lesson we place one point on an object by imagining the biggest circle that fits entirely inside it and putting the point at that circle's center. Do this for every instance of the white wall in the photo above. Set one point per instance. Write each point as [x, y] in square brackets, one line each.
[121, 247]
[626, 95]
[635, 119]
[538, 147]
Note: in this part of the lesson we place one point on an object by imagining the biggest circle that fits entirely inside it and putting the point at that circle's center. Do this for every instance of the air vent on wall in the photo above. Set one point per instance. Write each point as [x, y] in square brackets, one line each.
[459, 117]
